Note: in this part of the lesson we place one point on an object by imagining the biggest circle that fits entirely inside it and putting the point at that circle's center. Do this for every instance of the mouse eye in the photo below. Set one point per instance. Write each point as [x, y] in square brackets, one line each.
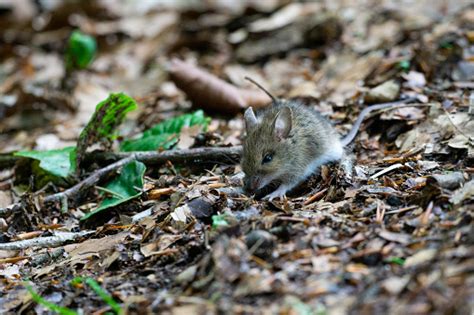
[267, 158]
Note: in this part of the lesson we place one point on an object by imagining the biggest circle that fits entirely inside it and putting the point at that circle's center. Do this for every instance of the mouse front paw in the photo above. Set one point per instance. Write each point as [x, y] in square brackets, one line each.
[279, 193]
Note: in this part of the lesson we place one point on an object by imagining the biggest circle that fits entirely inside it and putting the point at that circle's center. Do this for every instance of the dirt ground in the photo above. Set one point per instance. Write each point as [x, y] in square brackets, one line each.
[390, 234]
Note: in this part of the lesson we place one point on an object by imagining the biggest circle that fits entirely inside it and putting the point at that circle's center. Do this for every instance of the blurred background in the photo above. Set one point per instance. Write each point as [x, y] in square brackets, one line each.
[392, 240]
[332, 51]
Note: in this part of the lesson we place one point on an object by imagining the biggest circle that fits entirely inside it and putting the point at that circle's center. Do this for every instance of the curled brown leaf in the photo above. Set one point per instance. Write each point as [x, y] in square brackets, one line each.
[210, 93]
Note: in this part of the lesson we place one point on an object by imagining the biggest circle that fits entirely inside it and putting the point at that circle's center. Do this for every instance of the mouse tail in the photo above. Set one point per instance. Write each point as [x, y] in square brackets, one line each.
[274, 100]
[349, 137]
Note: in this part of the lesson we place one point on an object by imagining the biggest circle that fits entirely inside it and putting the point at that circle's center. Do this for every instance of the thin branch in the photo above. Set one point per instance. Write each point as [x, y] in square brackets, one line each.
[82, 186]
[110, 192]
[47, 241]
[230, 155]
[198, 155]
[90, 181]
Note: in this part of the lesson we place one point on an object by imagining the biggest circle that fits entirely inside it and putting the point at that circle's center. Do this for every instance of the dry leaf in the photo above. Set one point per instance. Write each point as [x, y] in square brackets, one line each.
[208, 92]
[420, 257]
[415, 79]
[384, 92]
[187, 136]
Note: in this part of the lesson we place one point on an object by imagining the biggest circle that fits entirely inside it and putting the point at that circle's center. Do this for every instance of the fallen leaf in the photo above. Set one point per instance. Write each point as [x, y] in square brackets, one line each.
[385, 92]
[181, 215]
[5, 199]
[187, 136]
[395, 237]
[464, 193]
[10, 272]
[415, 79]
[211, 93]
[421, 257]
[89, 247]
[395, 285]
[451, 180]
[286, 15]
[340, 74]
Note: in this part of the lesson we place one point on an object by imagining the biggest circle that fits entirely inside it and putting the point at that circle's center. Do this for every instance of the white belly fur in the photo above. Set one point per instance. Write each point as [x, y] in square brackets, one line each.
[333, 154]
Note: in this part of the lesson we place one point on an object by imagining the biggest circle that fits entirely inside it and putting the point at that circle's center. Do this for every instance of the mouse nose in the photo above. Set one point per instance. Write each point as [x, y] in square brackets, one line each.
[251, 183]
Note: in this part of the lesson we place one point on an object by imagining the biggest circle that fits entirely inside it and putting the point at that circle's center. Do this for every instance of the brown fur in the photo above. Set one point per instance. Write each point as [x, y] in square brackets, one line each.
[311, 135]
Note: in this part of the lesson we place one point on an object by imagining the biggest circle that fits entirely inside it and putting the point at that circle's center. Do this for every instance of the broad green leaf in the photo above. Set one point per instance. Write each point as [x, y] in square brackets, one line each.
[174, 125]
[81, 50]
[151, 143]
[101, 127]
[56, 162]
[123, 188]
[165, 134]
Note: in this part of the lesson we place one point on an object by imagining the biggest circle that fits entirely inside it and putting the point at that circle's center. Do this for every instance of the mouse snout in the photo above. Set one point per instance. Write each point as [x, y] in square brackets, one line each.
[251, 183]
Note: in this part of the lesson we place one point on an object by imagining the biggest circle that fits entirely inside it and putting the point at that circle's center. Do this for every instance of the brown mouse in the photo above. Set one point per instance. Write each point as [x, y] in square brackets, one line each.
[287, 142]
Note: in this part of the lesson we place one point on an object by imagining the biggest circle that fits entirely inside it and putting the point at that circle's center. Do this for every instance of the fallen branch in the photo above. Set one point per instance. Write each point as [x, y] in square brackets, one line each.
[47, 241]
[83, 185]
[90, 181]
[229, 155]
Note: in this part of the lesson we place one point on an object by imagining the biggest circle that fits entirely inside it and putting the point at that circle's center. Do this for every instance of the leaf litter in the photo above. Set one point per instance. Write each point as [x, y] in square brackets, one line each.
[178, 235]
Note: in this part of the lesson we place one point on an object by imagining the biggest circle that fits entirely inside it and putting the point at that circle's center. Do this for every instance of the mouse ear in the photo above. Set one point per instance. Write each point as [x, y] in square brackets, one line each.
[250, 118]
[282, 123]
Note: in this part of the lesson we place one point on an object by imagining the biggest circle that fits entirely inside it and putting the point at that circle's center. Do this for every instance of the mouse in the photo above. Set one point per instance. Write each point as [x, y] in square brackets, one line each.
[287, 142]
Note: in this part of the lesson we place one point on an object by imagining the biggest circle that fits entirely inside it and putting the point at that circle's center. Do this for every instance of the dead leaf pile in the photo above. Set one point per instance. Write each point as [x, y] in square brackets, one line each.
[392, 233]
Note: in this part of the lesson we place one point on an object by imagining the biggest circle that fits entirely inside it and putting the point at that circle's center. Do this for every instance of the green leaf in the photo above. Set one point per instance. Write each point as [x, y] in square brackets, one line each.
[396, 260]
[165, 134]
[49, 305]
[125, 187]
[55, 162]
[101, 127]
[404, 65]
[218, 221]
[81, 50]
[174, 125]
[151, 143]
[107, 298]
[104, 295]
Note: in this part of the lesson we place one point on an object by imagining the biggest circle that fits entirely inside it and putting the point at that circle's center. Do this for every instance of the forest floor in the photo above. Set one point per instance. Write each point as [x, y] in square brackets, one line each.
[168, 230]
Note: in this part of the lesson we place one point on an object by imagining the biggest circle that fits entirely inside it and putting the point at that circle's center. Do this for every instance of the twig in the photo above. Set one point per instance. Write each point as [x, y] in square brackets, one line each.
[84, 185]
[229, 154]
[141, 215]
[405, 209]
[425, 216]
[386, 170]
[47, 241]
[470, 139]
[110, 192]
[89, 181]
[380, 213]
[315, 197]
